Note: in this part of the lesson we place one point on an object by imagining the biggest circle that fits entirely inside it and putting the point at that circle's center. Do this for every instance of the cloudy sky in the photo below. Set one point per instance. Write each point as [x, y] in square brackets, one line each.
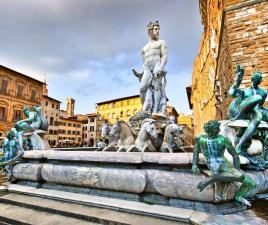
[86, 48]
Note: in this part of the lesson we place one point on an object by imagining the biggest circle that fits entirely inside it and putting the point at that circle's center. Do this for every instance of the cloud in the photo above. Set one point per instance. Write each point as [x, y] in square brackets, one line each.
[91, 46]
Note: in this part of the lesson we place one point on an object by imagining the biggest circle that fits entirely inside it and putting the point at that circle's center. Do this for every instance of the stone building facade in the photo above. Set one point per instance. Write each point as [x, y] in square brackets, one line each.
[235, 32]
[121, 108]
[16, 91]
[70, 131]
[51, 108]
[185, 119]
[92, 129]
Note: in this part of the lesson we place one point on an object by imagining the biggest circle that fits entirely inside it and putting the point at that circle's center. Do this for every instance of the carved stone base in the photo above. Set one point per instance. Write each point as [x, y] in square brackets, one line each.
[37, 139]
[155, 178]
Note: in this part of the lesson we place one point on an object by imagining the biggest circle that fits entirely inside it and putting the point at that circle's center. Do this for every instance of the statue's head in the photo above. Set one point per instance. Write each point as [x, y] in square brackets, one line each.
[11, 134]
[212, 128]
[26, 110]
[256, 78]
[153, 30]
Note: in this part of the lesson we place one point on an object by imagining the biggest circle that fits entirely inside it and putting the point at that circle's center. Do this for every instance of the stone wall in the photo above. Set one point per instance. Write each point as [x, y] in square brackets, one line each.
[203, 97]
[235, 32]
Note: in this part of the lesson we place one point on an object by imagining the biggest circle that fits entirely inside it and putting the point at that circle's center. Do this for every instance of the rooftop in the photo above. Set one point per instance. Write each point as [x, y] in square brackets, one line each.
[118, 99]
[21, 74]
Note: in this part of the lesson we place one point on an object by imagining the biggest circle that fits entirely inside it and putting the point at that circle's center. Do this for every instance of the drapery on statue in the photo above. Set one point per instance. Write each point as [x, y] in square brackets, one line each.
[153, 74]
[248, 104]
[213, 145]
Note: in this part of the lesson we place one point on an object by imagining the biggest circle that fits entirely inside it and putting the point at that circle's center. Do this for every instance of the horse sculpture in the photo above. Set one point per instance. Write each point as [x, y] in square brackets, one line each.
[123, 133]
[105, 130]
[143, 142]
[170, 141]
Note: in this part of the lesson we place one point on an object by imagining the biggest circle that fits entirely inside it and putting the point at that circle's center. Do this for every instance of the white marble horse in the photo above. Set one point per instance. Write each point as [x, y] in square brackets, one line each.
[122, 135]
[143, 142]
[172, 132]
[105, 130]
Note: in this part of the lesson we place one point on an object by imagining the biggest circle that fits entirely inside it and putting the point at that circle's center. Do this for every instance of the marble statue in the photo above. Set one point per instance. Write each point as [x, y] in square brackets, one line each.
[152, 77]
[105, 130]
[213, 146]
[126, 138]
[143, 142]
[248, 104]
[170, 143]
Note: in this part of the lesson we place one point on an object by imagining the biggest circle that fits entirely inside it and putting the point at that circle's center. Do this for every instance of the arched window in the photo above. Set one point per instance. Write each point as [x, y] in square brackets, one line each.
[121, 114]
[128, 113]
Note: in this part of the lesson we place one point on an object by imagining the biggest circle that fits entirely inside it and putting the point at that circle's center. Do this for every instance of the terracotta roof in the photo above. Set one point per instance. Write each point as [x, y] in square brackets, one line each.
[45, 96]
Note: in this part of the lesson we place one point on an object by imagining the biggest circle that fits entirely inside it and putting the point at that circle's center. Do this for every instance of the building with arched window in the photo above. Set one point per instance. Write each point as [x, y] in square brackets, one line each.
[16, 91]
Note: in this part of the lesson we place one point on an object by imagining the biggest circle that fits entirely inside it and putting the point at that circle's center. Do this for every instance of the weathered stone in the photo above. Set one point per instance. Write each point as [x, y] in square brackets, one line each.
[82, 156]
[33, 154]
[179, 185]
[27, 171]
[165, 158]
[127, 180]
[91, 191]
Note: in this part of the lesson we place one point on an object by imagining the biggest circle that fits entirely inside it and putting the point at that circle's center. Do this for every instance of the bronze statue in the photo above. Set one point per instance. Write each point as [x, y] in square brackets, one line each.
[213, 145]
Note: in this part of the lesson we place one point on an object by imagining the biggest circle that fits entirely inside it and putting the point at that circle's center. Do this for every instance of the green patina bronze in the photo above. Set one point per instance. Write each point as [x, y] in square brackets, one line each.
[213, 146]
[16, 143]
[248, 104]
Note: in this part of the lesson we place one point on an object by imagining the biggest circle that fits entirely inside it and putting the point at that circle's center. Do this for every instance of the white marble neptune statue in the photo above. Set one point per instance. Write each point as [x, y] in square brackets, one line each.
[153, 74]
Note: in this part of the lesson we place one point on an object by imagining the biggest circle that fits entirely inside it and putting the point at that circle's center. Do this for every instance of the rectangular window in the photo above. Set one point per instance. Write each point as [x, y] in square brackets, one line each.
[91, 128]
[3, 113]
[57, 106]
[20, 91]
[52, 105]
[4, 86]
[17, 115]
[33, 95]
[92, 120]
[51, 122]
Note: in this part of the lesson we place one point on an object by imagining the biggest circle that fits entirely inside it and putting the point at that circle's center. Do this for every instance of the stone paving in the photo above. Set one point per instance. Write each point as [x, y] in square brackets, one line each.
[118, 211]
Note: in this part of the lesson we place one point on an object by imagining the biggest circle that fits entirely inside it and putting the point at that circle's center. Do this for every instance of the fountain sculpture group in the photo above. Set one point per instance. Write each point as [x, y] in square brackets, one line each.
[145, 167]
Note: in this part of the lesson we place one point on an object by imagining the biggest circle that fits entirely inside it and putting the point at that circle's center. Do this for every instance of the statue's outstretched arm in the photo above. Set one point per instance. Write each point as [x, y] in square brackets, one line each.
[137, 74]
[230, 148]
[234, 90]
